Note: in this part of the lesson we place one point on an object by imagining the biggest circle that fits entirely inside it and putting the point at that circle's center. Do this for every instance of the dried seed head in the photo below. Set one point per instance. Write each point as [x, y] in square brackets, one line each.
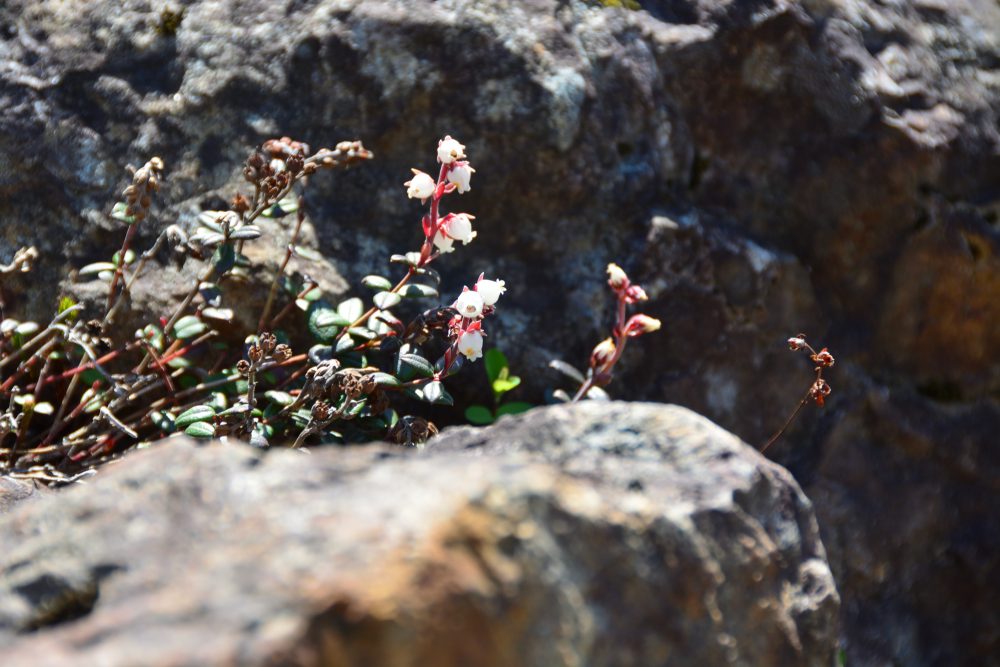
[267, 342]
[240, 204]
[281, 353]
[321, 411]
[243, 367]
[410, 430]
[255, 354]
[823, 358]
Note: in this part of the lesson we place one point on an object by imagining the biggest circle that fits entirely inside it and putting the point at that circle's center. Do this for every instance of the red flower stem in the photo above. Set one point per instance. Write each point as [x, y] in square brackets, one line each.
[618, 333]
[426, 250]
[788, 422]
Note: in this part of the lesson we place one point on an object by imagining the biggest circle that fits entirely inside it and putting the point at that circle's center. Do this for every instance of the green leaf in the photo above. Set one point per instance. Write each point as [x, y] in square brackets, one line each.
[307, 253]
[220, 314]
[129, 257]
[362, 332]
[344, 344]
[323, 321]
[377, 283]
[502, 385]
[289, 204]
[386, 300]
[567, 370]
[427, 271]
[189, 326]
[413, 365]
[44, 408]
[224, 258]
[208, 219]
[200, 430]
[198, 413]
[118, 213]
[386, 380]
[27, 328]
[65, 304]
[96, 267]
[414, 291]
[513, 408]
[351, 309]
[246, 233]
[280, 397]
[479, 415]
[495, 361]
[434, 392]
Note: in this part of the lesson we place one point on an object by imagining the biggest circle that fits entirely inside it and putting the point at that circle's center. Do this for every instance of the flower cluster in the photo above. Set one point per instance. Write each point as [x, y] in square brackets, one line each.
[455, 174]
[465, 329]
[607, 353]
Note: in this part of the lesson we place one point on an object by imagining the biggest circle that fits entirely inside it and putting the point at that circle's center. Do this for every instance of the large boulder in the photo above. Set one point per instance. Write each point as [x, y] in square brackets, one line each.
[762, 166]
[597, 534]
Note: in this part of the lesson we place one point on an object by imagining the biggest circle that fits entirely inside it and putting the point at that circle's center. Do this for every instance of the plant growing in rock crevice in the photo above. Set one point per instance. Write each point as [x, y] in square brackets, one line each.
[609, 351]
[177, 374]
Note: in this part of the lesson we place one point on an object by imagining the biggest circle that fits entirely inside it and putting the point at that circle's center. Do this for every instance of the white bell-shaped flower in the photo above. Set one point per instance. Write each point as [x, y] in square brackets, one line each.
[470, 304]
[421, 186]
[470, 344]
[450, 150]
[490, 290]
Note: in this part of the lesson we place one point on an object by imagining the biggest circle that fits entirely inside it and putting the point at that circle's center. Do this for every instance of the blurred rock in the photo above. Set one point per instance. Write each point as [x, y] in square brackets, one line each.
[763, 167]
[599, 534]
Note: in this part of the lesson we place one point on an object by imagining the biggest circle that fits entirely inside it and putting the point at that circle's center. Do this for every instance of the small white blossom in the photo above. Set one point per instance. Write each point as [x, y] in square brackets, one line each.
[470, 344]
[459, 227]
[421, 186]
[460, 175]
[490, 290]
[450, 150]
[470, 304]
[443, 243]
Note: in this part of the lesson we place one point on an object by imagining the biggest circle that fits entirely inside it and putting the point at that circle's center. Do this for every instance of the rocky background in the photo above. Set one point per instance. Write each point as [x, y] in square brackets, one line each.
[762, 167]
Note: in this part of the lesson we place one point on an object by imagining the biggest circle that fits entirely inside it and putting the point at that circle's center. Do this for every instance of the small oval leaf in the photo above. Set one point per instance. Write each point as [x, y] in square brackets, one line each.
[386, 300]
[379, 283]
[198, 413]
[413, 291]
[246, 233]
[479, 415]
[200, 430]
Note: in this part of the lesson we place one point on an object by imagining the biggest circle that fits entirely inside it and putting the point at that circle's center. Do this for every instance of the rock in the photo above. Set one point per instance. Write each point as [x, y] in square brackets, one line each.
[764, 167]
[13, 492]
[598, 534]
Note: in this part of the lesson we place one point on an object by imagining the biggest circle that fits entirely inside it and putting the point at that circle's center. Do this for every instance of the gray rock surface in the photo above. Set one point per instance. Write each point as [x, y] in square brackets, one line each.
[762, 166]
[599, 534]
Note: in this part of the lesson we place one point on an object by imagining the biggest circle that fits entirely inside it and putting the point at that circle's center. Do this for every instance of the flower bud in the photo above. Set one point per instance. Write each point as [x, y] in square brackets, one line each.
[470, 344]
[634, 294]
[641, 324]
[796, 343]
[460, 176]
[470, 304]
[617, 278]
[450, 150]
[603, 353]
[421, 186]
[490, 290]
